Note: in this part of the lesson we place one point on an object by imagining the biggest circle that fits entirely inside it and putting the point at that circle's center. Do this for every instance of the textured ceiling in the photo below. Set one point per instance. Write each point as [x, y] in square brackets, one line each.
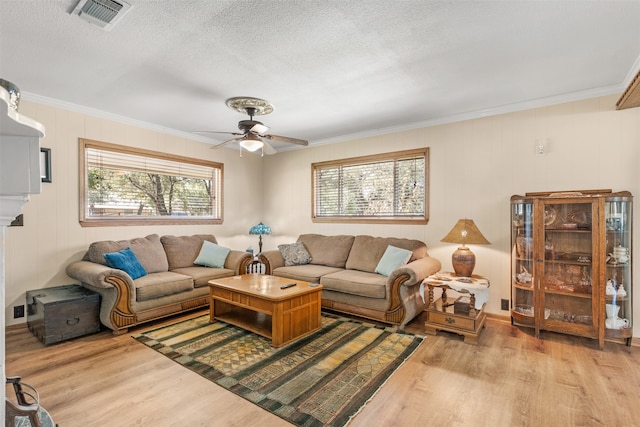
[332, 69]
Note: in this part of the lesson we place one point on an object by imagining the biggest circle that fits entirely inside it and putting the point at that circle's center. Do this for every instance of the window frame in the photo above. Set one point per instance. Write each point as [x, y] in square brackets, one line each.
[86, 221]
[383, 157]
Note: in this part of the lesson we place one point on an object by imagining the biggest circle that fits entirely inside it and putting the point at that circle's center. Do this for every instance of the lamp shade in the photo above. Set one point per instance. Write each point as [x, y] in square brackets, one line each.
[260, 229]
[463, 260]
[251, 143]
[466, 232]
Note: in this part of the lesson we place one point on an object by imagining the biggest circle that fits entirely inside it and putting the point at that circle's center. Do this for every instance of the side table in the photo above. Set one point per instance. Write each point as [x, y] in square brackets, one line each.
[454, 314]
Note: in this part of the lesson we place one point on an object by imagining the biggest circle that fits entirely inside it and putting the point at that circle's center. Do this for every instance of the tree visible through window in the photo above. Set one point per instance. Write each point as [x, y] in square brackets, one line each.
[388, 187]
[126, 185]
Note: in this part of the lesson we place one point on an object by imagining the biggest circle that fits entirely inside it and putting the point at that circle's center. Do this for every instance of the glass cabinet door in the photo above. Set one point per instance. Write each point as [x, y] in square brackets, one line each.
[618, 310]
[522, 289]
[567, 266]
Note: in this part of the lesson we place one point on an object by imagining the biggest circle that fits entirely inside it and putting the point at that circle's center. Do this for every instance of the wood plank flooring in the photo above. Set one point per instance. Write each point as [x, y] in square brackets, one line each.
[509, 379]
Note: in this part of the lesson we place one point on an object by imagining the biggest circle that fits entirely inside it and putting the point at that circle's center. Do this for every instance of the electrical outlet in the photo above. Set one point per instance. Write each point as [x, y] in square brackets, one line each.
[504, 304]
[18, 311]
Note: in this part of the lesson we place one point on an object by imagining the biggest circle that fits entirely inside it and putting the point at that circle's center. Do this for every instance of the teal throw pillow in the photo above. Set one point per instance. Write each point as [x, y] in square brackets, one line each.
[393, 258]
[126, 261]
[212, 255]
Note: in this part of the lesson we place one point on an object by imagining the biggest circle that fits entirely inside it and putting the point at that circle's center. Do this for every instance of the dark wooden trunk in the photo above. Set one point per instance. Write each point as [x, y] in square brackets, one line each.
[61, 313]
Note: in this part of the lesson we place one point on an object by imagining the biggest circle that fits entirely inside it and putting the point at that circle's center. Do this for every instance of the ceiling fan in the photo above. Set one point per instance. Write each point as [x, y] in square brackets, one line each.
[253, 136]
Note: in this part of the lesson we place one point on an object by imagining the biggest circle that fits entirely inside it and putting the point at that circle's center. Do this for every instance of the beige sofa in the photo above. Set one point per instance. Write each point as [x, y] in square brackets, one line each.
[346, 268]
[173, 283]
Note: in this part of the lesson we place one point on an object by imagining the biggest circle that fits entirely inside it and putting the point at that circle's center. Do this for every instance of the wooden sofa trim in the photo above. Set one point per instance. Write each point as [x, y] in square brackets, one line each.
[122, 317]
[393, 315]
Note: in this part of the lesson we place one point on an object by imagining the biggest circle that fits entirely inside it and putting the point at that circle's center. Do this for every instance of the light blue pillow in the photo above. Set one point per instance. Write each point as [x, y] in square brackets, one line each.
[393, 258]
[126, 261]
[212, 255]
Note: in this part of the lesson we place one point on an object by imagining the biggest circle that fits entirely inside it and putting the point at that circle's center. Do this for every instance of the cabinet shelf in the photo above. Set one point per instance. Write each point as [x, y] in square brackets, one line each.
[617, 265]
[522, 286]
[567, 230]
[522, 319]
[568, 293]
[609, 298]
[568, 262]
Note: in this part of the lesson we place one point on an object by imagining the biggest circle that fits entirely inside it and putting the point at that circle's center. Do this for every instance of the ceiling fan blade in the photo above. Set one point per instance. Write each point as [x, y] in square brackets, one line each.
[286, 139]
[268, 149]
[211, 131]
[259, 128]
[222, 144]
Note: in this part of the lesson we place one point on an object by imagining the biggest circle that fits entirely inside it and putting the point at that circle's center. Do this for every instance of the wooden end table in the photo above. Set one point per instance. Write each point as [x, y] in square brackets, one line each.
[257, 303]
[441, 313]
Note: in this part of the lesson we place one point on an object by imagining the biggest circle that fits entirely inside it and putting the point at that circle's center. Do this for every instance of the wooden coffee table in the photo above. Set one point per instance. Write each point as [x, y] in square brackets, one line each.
[256, 302]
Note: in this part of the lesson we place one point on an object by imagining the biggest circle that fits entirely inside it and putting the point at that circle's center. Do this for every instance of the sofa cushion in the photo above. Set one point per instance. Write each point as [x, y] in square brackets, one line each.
[331, 251]
[308, 273]
[367, 251]
[148, 250]
[202, 275]
[212, 255]
[126, 261]
[182, 251]
[295, 254]
[162, 284]
[355, 282]
[393, 258]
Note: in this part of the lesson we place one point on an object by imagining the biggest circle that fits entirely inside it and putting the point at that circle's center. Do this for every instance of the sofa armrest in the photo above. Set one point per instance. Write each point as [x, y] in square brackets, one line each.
[96, 274]
[237, 261]
[404, 288]
[272, 260]
[417, 270]
[116, 290]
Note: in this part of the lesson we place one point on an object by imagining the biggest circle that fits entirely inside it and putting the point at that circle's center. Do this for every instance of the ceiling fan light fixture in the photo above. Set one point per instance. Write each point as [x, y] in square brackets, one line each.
[251, 143]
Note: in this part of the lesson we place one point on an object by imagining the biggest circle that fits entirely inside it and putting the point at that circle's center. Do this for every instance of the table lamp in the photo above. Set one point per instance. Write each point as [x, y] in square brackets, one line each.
[260, 229]
[463, 260]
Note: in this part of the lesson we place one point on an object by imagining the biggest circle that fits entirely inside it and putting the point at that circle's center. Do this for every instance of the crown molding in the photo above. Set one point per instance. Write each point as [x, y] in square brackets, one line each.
[113, 117]
[470, 115]
[503, 109]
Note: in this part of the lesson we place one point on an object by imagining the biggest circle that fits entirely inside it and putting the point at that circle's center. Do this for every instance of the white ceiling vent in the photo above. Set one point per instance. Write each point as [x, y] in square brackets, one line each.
[103, 13]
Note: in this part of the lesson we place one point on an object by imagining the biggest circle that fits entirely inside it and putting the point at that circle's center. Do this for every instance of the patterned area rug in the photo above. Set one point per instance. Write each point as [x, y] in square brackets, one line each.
[323, 379]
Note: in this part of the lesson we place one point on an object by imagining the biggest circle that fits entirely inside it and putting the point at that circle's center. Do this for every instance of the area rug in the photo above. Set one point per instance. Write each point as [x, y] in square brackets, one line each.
[323, 379]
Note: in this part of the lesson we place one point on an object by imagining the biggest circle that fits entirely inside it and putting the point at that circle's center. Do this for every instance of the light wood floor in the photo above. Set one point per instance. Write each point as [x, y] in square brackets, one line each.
[509, 379]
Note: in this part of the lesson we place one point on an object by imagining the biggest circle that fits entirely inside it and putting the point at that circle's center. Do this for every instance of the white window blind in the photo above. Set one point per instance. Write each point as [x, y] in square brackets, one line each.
[121, 184]
[391, 186]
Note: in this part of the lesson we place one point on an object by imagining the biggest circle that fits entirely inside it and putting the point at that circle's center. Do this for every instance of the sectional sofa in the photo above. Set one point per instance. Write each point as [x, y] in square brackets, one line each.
[175, 279]
[355, 275]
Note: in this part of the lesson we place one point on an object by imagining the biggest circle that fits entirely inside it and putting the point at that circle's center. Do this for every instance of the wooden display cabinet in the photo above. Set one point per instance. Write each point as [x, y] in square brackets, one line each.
[571, 264]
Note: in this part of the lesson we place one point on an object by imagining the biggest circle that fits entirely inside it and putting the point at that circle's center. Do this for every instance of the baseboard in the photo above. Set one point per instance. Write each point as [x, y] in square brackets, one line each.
[499, 317]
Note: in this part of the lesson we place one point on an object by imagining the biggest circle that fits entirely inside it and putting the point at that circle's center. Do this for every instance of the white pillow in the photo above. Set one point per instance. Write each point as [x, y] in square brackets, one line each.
[393, 258]
[212, 255]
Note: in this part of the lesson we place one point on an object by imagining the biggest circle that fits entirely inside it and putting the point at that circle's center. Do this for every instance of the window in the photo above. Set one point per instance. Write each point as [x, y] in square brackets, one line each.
[384, 188]
[128, 186]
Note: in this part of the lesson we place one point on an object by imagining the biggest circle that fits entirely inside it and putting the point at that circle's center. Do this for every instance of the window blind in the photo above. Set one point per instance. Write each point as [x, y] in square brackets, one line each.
[392, 187]
[124, 184]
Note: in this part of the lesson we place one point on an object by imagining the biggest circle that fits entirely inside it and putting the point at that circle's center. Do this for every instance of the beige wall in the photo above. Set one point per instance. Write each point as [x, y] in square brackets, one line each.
[476, 165]
[38, 253]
